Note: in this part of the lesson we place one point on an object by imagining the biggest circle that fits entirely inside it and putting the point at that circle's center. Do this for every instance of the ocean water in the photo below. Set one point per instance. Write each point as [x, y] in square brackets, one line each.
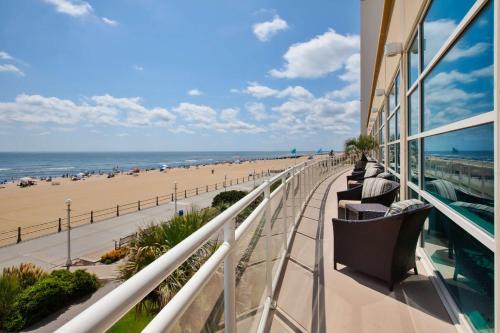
[476, 155]
[16, 165]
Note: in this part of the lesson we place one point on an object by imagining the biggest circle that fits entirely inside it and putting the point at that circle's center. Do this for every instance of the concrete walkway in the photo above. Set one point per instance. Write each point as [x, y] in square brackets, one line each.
[313, 297]
[90, 241]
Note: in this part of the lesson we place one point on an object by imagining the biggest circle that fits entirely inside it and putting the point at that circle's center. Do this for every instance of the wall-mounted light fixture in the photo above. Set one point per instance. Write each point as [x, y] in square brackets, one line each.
[379, 92]
[393, 49]
[374, 110]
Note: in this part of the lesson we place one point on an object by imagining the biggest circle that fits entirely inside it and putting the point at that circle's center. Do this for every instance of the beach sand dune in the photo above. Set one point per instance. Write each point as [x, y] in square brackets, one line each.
[22, 207]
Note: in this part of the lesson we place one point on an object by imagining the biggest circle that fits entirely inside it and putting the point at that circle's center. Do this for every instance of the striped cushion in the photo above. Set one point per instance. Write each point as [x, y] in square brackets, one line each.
[372, 172]
[444, 188]
[484, 211]
[375, 186]
[403, 206]
[385, 175]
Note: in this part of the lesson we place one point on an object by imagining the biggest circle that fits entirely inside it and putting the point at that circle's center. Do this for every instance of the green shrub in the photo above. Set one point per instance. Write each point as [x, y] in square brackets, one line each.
[48, 295]
[227, 198]
[9, 288]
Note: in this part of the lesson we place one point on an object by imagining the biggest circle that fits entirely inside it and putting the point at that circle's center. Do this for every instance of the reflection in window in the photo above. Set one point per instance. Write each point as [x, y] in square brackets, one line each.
[412, 194]
[392, 98]
[440, 21]
[392, 128]
[413, 113]
[413, 158]
[381, 136]
[465, 265]
[397, 124]
[382, 154]
[397, 157]
[458, 170]
[413, 62]
[392, 156]
[461, 84]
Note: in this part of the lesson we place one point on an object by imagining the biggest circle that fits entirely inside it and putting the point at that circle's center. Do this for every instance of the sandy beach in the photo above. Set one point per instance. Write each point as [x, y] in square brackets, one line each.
[22, 207]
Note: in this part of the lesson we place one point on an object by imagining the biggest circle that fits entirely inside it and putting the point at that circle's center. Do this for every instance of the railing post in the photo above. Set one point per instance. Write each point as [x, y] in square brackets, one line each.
[68, 259]
[139, 205]
[225, 182]
[269, 266]
[207, 188]
[293, 195]
[197, 191]
[175, 199]
[185, 194]
[157, 200]
[59, 226]
[284, 214]
[253, 179]
[301, 184]
[18, 234]
[230, 279]
[91, 216]
[117, 210]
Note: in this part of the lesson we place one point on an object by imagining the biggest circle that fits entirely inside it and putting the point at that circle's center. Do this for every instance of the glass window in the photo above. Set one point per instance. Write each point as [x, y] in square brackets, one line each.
[397, 124]
[392, 156]
[413, 62]
[396, 84]
[458, 170]
[439, 23]
[461, 84]
[381, 136]
[392, 98]
[382, 154]
[413, 113]
[392, 128]
[397, 157]
[466, 267]
[412, 194]
[413, 158]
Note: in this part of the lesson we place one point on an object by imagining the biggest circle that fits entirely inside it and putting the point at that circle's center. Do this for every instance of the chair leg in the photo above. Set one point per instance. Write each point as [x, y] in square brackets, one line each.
[415, 270]
[335, 265]
[391, 286]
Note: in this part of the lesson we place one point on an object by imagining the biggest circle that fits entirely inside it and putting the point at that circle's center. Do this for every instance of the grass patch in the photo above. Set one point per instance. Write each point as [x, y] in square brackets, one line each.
[132, 322]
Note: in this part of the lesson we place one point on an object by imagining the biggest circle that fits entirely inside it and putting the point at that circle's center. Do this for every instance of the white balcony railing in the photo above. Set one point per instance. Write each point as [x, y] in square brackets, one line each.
[235, 287]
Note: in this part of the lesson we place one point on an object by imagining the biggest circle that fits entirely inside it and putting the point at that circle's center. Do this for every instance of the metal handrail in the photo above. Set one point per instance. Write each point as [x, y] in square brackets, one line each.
[108, 310]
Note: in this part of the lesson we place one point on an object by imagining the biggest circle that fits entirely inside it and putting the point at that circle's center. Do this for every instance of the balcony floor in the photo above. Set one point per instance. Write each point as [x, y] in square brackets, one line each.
[312, 297]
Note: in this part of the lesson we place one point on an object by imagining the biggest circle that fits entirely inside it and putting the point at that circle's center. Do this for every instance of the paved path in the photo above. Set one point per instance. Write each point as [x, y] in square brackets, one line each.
[91, 241]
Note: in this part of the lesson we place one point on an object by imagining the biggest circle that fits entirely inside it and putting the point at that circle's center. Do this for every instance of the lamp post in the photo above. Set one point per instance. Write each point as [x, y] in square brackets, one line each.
[225, 183]
[68, 259]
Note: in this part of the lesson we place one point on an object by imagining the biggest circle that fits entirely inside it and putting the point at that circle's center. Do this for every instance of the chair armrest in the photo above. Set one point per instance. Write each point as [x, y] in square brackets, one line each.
[351, 194]
[356, 176]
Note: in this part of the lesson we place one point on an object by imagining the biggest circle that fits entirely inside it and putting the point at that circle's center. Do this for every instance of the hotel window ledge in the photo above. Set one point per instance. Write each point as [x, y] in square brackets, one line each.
[311, 296]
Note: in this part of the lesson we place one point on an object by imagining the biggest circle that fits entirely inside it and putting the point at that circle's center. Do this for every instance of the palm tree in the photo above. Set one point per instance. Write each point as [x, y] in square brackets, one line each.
[363, 144]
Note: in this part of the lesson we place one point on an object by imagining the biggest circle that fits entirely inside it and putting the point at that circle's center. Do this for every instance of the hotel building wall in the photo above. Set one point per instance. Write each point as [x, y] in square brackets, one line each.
[433, 110]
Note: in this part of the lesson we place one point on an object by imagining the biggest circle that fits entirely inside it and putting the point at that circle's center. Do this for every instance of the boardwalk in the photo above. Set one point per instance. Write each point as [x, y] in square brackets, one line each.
[90, 241]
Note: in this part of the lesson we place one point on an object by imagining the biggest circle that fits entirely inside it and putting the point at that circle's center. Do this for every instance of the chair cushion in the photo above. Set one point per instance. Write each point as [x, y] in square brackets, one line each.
[444, 188]
[484, 211]
[385, 175]
[343, 203]
[403, 206]
[372, 172]
[375, 186]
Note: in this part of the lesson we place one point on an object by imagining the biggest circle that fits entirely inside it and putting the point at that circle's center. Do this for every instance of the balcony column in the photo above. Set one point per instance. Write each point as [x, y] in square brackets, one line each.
[269, 266]
[230, 280]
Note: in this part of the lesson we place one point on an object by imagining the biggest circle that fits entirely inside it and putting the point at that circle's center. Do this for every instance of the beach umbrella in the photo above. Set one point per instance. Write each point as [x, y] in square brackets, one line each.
[294, 151]
[319, 151]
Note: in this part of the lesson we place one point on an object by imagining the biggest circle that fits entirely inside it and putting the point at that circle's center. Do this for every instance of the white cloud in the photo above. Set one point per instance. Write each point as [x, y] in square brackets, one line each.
[229, 114]
[5, 56]
[264, 31]
[260, 91]
[200, 114]
[44, 133]
[257, 110]
[122, 135]
[195, 92]
[352, 77]
[72, 8]
[11, 69]
[138, 68]
[104, 109]
[109, 21]
[319, 56]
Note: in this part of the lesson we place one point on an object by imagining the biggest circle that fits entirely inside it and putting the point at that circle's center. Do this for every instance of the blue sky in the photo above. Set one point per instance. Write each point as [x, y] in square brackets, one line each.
[178, 75]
